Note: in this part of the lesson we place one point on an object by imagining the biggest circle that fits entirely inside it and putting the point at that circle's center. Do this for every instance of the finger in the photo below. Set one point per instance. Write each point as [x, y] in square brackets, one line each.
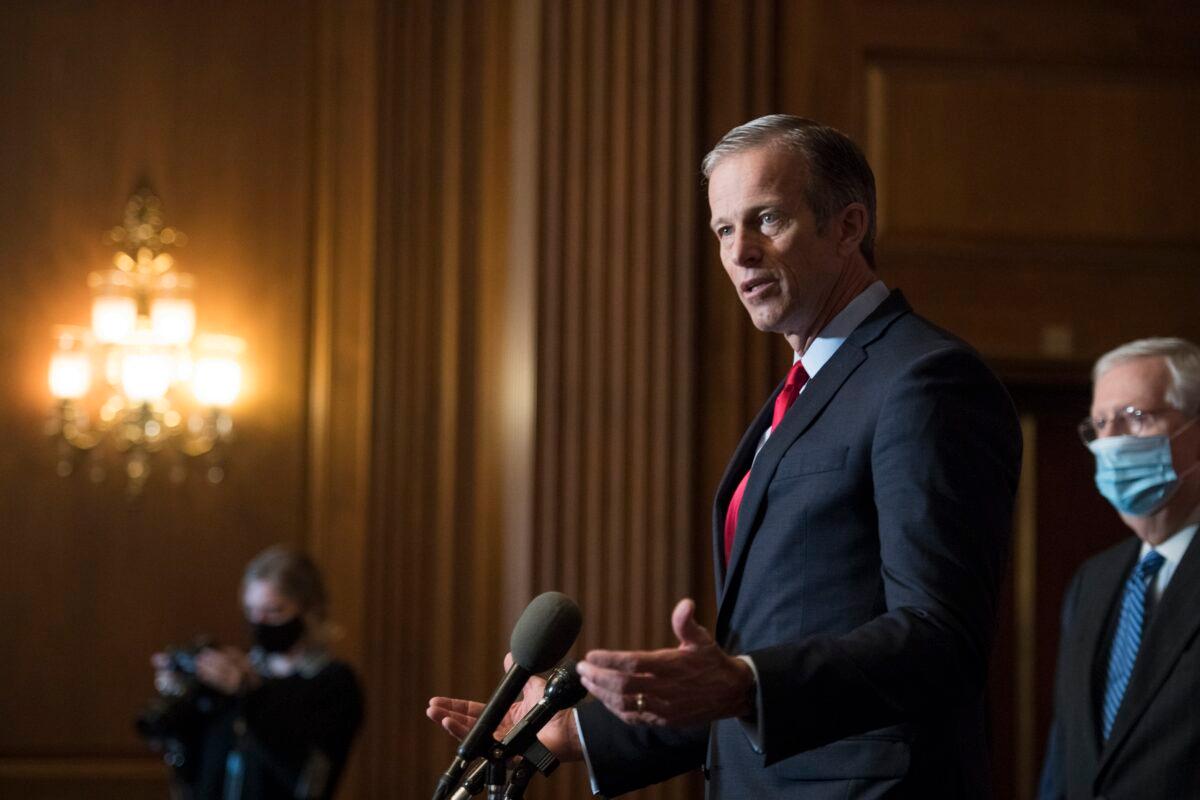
[689, 632]
[508, 661]
[451, 720]
[457, 727]
[630, 661]
[617, 681]
[453, 705]
[627, 705]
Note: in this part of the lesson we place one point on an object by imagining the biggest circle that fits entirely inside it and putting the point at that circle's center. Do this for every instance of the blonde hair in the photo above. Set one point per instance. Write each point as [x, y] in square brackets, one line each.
[297, 577]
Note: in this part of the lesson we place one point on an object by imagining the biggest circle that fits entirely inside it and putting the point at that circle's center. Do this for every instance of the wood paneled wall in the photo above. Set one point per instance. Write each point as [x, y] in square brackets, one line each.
[535, 376]
[434, 617]
[214, 109]
[492, 351]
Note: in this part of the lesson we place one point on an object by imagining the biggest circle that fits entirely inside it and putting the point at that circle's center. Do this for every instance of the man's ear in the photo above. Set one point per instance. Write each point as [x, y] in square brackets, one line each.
[851, 227]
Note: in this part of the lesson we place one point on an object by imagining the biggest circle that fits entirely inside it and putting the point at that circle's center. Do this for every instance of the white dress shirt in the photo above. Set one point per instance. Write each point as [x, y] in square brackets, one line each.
[1172, 551]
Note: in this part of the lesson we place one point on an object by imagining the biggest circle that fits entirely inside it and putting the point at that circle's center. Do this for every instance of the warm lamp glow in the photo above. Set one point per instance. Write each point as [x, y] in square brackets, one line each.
[71, 364]
[217, 381]
[114, 306]
[141, 380]
[113, 318]
[173, 320]
[146, 373]
[216, 374]
[70, 375]
[172, 313]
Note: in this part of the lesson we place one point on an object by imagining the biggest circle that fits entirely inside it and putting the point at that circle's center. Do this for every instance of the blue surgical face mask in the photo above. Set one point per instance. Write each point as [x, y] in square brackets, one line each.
[1135, 473]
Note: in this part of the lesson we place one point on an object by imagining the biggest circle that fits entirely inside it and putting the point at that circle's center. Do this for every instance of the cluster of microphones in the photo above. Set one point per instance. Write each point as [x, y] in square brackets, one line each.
[540, 639]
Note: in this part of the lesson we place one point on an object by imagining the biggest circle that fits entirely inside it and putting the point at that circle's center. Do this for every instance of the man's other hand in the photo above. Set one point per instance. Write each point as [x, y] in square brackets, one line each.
[559, 735]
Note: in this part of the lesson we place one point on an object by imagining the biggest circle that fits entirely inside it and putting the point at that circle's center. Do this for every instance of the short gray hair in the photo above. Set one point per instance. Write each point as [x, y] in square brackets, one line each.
[1183, 362]
[838, 171]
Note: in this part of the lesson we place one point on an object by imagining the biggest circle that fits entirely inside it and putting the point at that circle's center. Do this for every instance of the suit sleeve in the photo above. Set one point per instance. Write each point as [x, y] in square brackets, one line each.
[1053, 784]
[945, 458]
[628, 757]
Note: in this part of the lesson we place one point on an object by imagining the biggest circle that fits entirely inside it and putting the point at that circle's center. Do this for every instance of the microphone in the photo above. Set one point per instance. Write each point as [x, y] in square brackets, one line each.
[563, 690]
[543, 635]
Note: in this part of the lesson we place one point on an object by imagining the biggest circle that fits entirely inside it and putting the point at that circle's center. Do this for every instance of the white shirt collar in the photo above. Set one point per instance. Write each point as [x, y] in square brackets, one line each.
[1174, 547]
[1172, 551]
[840, 327]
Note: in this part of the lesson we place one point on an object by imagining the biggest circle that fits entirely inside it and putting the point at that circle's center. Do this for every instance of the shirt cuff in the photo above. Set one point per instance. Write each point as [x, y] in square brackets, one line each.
[751, 726]
[586, 758]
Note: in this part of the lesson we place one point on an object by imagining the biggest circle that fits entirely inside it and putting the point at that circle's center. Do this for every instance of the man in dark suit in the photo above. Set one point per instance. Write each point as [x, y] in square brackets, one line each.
[1128, 681]
[860, 530]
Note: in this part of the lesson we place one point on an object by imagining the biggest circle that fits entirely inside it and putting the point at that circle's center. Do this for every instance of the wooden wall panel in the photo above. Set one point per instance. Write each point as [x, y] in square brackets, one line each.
[616, 522]
[214, 109]
[1025, 188]
[434, 618]
[1046, 154]
[1027, 180]
[554, 215]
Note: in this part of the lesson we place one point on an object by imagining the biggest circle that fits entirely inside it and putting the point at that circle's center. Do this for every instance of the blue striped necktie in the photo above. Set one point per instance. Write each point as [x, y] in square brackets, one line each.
[1129, 635]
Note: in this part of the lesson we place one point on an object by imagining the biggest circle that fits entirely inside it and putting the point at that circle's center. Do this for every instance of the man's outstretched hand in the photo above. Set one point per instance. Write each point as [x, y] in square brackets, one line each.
[691, 684]
[559, 736]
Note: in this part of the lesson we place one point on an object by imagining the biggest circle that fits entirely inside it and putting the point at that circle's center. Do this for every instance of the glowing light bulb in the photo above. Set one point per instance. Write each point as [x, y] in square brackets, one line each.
[173, 319]
[70, 375]
[172, 313]
[114, 306]
[146, 370]
[114, 318]
[71, 364]
[216, 372]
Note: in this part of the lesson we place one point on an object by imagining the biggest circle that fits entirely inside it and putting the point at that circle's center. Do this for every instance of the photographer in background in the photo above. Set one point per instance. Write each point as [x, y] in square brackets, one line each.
[276, 722]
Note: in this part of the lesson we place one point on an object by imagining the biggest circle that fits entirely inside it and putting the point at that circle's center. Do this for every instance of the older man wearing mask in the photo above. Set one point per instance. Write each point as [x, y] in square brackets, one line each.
[1128, 668]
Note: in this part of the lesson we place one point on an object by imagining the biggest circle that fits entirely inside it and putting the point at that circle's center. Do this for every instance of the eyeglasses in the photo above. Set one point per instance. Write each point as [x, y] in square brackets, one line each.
[1129, 419]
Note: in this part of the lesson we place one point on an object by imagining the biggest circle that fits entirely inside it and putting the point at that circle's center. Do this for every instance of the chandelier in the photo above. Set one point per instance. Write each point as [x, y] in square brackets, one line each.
[140, 386]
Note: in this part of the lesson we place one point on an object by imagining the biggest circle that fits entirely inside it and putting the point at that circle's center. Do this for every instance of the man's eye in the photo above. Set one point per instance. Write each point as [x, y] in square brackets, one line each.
[724, 231]
[768, 219]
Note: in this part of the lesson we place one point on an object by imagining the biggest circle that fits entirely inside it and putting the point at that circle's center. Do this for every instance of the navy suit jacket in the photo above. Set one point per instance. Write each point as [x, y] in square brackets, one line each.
[1154, 747]
[863, 582]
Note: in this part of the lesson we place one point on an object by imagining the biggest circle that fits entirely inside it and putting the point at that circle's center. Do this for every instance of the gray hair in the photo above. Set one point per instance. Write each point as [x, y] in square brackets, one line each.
[838, 171]
[1183, 362]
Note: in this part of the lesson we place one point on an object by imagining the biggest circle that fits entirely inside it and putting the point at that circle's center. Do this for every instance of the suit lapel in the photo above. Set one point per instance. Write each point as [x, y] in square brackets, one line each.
[1173, 625]
[1089, 631]
[743, 457]
[819, 391]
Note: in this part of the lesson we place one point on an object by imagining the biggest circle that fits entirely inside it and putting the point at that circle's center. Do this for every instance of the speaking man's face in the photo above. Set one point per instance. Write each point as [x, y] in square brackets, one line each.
[783, 269]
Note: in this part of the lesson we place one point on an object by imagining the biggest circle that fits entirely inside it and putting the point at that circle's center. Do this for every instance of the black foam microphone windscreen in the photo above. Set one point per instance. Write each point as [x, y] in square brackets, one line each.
[545, 632]
[542, 636]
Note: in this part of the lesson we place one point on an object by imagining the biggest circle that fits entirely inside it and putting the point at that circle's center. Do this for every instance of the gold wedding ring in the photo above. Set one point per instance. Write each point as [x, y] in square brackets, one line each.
[639, 702]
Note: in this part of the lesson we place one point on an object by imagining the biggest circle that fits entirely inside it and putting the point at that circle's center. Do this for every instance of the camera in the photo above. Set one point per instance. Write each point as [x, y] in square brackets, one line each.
[170, 721]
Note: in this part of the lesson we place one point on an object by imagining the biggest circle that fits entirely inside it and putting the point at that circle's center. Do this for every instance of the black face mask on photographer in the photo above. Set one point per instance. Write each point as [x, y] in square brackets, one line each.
[278, 638]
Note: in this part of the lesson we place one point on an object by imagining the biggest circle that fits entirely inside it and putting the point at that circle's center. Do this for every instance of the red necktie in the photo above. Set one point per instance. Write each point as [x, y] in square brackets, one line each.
[783, 401]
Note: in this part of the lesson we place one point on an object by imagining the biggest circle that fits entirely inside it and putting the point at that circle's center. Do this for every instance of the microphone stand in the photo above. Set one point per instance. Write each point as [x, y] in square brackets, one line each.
[535, 757]
[521, 775]
[497, 772]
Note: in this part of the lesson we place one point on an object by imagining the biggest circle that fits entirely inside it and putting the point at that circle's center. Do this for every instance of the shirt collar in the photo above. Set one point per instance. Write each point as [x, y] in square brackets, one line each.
[840, 327]
[1174, 547]
[307, 665]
